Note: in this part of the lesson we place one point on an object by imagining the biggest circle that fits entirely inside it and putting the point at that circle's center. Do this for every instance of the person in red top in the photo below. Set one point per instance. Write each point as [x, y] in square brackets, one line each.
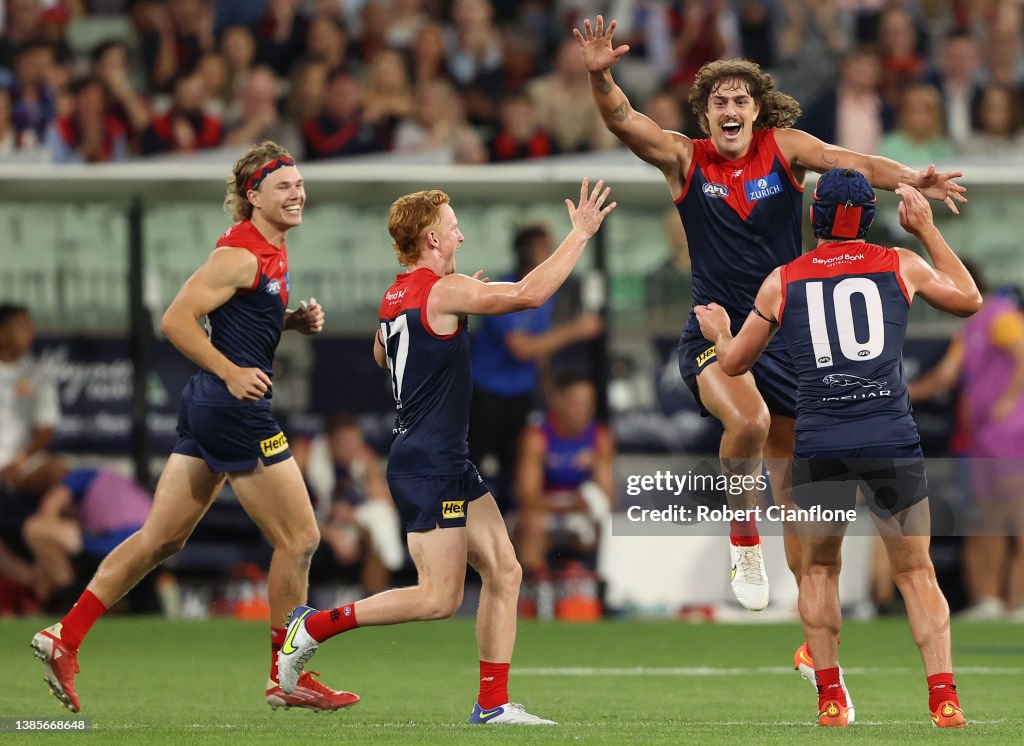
[185, 128]
[88, 133]
[225, 427]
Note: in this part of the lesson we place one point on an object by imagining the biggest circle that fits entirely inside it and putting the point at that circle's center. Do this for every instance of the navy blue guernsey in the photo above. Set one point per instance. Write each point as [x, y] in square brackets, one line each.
[431, 380]
[742, 219]
[843, 319]
[247, 328]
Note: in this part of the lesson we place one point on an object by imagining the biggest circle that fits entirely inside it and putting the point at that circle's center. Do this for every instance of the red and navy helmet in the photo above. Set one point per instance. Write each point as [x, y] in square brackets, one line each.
[844, 205]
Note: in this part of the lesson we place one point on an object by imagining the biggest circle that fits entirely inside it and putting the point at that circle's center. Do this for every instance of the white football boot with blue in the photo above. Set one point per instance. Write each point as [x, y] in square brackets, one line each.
[299, 646]
[509, 713]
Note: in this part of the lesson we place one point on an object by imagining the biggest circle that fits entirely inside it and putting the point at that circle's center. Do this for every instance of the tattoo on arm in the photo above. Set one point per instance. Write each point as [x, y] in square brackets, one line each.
[620, 112]
[603, 86]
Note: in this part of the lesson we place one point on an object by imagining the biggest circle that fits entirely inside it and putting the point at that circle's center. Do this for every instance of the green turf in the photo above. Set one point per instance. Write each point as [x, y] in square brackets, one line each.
[151, 681]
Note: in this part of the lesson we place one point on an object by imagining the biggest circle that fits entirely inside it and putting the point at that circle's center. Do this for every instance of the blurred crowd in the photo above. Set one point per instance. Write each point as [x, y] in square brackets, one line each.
[478, 81]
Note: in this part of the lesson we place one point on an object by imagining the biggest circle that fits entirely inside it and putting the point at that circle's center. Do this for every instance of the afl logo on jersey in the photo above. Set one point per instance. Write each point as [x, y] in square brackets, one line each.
[274, 287]
[715, 191]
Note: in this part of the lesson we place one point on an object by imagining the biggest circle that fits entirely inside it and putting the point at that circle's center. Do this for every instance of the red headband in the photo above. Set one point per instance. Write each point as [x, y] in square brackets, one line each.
[257, 178]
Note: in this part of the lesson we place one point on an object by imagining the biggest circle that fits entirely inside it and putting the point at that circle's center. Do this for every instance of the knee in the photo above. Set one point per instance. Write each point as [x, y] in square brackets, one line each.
[750, 428]
[503, 573]
[166, 547]
[442, 604]
[302, 544]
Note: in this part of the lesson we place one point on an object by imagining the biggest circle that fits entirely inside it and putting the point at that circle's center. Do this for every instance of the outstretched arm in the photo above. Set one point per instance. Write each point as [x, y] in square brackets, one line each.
[668, 151]
[736, 355]
[459, 295]
[803, 149]
[948, 286]
[942, 377]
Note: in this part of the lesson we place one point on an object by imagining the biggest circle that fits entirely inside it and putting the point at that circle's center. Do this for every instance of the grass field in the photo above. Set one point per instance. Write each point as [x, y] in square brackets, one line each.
[150, 681]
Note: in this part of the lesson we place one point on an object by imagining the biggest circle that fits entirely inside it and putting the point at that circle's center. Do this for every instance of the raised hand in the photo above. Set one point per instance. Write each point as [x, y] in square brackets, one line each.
[940, 186]
[596, 45]
[588, 215]
[915, 212]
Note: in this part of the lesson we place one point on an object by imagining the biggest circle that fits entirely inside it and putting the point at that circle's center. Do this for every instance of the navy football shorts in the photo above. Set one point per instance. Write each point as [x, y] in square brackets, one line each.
[229, 435]
[891, 478]
[773, 372]
[432, 501]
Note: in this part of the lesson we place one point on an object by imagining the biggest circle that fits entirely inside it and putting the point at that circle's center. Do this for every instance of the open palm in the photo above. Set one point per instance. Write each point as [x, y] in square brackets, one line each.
[596, 45]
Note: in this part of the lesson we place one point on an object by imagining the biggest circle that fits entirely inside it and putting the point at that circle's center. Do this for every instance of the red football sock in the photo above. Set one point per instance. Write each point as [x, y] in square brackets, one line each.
[493, 685]
[80, 619]
[830, 689]
[941, 689]
[276, 641]
[324, 625]
[744, 533]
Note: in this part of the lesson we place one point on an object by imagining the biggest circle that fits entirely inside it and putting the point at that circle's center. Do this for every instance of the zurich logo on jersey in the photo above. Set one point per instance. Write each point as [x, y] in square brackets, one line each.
[766, 186]
[715, 191]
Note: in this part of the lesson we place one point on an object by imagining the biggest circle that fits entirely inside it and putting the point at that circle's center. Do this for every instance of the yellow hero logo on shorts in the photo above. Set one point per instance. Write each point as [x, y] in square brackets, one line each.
[706, 355]
[274, 445]
[453, 508]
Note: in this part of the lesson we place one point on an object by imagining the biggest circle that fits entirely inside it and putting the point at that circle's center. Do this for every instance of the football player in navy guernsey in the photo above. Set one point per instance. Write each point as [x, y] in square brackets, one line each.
[448, 511]
[225, 427]
[841, 313]
[739, 194]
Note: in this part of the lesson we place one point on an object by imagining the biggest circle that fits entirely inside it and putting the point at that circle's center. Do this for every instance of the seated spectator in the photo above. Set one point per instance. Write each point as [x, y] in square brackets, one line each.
[521, 135]
[556, 97]
[185, 127]
[328, 41]
[428, 59]
[212, 69]
[255, 116]
[340, 129]
[33, 95]
[172, 37]
[853, 114]
[238, 45]
[902, 61]
[919, 136]
[88, 133]
[997, 129]
[388, 95]
[110, 64]
[407, 18]
[439, 126]
[29, 406]
[563, 479]
[358, 520]
[90, 511]
[306, 91]
[958, 78]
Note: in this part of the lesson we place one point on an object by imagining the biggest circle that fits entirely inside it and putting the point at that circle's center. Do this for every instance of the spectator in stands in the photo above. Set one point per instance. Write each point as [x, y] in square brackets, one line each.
[987, 358]
[521, 135]
[212, 69]
[89, 511]
[852, 114]
[22, 19]
[374, 19]
[556, 97]
[255, 117]
[110, 64]
[902, 63]
[997, 137]
[439, 126]
[958, 78]
[238, 45]
[474, 56]
[88, 133]
[173, 36]
[7, 134]
[358, 520]
[698, 41]
[34, 94]
[328, 41]
[1003, 45]
[306, 91]
[507, 354]
[563, 478]
[388, 94]
[647, 27]
[919, 137]
[407, 18]
[428, 59]
[185, 127]
[29, 406]
[340, 129]
[756, 32]
[813, 36]
[281, 35]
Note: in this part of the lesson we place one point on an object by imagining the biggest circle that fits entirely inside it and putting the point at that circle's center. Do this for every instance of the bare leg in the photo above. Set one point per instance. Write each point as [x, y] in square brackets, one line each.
[275, 498]
[492, 555]
[532, 539]
[375, 577]
[984, 559]
[778, 450]
[183, 495]
[53, 541]
[820, 611]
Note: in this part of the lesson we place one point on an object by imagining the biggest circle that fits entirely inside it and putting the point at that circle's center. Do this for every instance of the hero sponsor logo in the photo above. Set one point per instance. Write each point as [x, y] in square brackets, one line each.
[453, 508]
[274, 445]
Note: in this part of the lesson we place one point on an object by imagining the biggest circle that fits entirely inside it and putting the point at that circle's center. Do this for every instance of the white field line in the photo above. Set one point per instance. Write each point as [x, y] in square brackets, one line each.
[715, 671]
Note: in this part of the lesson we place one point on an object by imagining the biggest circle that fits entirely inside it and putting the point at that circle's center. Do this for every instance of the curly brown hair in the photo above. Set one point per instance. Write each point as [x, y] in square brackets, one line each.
[777, 109]
[408, 217]
[236, 203]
